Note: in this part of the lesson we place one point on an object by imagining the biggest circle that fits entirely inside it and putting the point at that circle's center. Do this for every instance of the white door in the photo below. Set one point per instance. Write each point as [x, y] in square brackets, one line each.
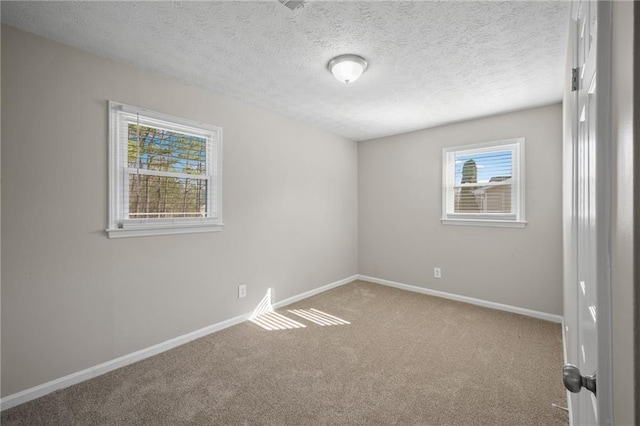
[591, 401]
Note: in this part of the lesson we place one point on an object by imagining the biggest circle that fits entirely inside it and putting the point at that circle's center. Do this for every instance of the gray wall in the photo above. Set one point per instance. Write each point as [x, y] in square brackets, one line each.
[72, 298]
[402, 239]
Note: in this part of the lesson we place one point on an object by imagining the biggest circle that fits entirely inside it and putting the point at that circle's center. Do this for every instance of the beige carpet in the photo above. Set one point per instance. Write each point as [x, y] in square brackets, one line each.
[404, 358]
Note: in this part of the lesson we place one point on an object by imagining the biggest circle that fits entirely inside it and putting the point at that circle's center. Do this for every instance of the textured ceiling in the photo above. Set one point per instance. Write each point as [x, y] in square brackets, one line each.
[429, 62]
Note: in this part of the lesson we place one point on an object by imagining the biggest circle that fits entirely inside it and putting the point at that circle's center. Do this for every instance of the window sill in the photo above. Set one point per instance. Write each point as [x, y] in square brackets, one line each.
[485, 222]
[152, 231]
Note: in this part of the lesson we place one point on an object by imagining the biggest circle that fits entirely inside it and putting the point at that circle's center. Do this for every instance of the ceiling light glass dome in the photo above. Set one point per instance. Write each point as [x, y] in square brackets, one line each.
[347, 68]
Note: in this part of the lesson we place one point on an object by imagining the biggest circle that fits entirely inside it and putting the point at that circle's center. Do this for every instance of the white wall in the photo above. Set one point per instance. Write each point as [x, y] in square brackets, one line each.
[402, 239]
[71, 297]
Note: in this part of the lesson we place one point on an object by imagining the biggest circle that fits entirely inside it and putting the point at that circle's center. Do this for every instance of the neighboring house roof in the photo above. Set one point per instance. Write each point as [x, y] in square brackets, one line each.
[481, 190]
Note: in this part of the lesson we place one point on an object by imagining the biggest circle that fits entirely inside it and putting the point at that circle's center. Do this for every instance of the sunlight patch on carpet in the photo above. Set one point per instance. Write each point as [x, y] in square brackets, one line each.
[265, 317]
[318, 317]
[275, 321]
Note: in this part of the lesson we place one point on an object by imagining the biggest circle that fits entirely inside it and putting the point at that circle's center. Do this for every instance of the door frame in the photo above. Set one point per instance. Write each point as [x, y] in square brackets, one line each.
[636, 198]
[604, 206]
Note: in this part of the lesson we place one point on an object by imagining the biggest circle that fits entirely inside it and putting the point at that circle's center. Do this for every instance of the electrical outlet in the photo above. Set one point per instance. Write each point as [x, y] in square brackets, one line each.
[242, 291]
[437, 273]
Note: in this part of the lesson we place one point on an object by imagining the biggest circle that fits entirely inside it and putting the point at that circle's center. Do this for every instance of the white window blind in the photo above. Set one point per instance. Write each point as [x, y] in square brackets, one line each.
[484, 184]
[165, 174]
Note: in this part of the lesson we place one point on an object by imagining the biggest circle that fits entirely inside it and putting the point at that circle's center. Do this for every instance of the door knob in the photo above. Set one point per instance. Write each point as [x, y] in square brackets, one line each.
[574, 381]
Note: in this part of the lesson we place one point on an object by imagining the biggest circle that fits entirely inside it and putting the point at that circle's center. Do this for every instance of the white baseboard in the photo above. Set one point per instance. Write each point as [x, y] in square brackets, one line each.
[105, 367]
[97, 370]
[493, 305]
[313, 292]
[91, 372]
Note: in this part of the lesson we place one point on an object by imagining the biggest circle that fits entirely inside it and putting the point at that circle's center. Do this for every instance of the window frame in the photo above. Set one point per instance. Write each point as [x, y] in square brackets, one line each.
[118, 225]
[513, 220]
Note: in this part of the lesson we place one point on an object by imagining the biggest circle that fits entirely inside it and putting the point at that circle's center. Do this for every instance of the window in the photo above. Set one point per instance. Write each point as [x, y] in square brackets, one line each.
[165, 174]
[484, 184]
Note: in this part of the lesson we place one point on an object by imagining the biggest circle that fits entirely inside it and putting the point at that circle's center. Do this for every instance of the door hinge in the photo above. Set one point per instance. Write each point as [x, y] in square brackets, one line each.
[574, 79]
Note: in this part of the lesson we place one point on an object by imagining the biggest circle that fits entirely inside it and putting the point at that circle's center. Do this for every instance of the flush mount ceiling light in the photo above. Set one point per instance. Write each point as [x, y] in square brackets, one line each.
[347, 68]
